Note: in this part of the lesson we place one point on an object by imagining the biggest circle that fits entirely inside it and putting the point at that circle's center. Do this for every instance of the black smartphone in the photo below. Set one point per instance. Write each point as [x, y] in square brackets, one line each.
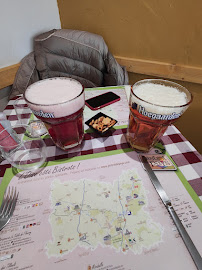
[102, 100]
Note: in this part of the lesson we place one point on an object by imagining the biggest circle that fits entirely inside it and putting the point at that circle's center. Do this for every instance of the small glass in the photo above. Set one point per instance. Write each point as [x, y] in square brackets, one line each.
[24, 113]
[20, 150]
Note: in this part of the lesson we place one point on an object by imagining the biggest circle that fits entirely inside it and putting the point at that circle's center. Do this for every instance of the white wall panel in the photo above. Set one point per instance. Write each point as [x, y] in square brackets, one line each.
[20, 21]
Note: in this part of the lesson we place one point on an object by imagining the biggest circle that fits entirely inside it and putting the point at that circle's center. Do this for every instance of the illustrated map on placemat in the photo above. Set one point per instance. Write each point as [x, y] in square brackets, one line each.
[96, 212]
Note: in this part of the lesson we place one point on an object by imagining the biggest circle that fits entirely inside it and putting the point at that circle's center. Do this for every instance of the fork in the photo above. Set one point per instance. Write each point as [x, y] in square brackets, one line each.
[8, 206]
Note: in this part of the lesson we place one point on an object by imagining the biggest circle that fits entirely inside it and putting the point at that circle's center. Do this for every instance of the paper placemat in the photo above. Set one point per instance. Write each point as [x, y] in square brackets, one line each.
[102, 214]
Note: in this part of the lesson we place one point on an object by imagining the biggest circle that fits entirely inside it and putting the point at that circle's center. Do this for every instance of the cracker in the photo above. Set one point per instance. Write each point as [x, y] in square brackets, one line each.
[106, 121]
[102, 124]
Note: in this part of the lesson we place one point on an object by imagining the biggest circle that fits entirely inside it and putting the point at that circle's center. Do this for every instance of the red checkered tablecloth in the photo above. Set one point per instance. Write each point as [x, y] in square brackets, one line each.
[186, 157]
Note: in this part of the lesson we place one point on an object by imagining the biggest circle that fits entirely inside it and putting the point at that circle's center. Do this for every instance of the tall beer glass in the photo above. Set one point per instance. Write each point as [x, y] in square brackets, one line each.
[154, 105]
[59, 103]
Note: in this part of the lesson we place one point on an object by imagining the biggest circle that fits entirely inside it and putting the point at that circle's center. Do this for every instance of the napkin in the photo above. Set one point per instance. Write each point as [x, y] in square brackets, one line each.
[7, 142]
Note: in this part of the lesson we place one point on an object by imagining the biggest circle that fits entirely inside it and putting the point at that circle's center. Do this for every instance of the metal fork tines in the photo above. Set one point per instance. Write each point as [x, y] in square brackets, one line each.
[8, 206]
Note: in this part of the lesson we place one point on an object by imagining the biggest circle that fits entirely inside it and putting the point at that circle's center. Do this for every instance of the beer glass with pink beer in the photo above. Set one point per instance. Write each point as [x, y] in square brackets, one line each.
[59, 103]
[154, 105]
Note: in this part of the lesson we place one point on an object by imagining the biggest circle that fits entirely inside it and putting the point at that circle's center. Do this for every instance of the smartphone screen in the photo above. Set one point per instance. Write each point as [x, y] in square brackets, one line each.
[101, 101]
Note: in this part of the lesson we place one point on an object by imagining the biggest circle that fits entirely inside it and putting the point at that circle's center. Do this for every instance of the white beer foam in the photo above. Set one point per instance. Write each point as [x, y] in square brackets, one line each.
[56, 96]
[162, 95]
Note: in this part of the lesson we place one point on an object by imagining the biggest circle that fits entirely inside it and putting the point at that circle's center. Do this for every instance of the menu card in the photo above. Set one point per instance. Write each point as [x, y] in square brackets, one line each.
[97, 212]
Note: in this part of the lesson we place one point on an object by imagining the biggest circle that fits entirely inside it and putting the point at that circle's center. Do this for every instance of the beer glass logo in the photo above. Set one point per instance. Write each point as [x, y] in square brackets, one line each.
[155, 116]
[43, 114]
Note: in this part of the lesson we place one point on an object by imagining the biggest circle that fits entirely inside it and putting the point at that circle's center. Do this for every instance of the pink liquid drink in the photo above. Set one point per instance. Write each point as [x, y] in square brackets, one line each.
[59, 103]
[154, 105]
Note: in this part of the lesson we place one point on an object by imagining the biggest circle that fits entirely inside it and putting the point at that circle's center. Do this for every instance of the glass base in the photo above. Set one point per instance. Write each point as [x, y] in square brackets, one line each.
[138, 148]
[37, 128]
[67, 147]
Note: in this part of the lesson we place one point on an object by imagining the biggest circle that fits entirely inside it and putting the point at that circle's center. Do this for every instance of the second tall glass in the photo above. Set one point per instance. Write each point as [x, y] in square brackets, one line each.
[154, 105]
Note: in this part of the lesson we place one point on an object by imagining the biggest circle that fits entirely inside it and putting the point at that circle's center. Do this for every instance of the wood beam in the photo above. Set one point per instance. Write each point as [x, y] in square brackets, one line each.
[161, 69]
[7, 75]
[140, 66]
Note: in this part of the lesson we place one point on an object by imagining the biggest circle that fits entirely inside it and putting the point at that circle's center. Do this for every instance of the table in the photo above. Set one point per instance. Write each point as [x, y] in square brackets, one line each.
[186, 157]
[178, 148]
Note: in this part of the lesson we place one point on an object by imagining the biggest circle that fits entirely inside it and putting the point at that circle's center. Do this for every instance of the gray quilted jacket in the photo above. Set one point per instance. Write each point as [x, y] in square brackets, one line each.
[69, 53]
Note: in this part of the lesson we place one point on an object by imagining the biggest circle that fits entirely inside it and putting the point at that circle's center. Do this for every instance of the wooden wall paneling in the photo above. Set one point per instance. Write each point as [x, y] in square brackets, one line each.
[160, 69]
[7, 75]
[147, 67]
